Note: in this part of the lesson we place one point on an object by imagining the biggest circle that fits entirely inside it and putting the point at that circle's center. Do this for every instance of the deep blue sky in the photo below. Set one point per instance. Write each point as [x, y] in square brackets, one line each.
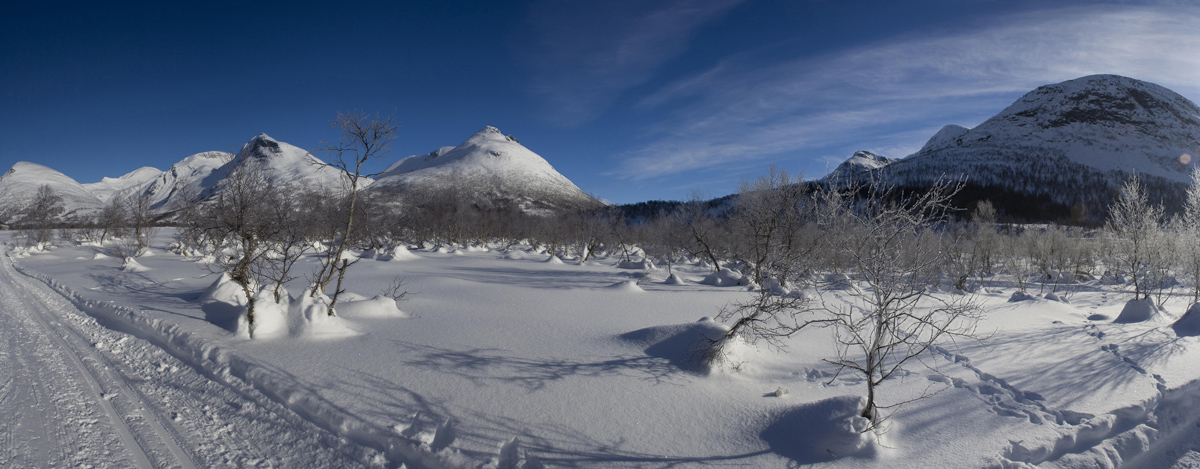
[632, 100]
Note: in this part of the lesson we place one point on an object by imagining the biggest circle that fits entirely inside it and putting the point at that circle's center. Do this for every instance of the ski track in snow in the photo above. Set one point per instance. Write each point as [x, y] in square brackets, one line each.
[76, 393]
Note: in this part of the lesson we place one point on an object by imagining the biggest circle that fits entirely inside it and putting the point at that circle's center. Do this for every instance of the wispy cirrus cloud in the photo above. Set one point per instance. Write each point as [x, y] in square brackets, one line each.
[585, 54]
[894, 95]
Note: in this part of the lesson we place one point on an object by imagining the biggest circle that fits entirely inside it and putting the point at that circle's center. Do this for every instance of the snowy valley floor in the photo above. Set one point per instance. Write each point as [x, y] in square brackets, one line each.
[500, 358]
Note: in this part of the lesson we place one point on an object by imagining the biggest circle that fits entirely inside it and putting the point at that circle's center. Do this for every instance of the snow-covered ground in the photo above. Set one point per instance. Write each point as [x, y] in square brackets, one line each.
[500, 358]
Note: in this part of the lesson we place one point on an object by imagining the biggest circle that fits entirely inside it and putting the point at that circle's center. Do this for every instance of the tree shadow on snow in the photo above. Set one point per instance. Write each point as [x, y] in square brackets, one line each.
[821, 431]
[534, 277]
[1082, 364]
[223, 315]
[483, 366]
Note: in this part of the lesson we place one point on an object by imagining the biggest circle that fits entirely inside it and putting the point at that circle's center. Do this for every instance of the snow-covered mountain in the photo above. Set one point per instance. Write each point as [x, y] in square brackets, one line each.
[487, 170]
[107, 187]
[20, 184]
[288, 164]
[200, 175]
[860, 163]
[193, 175]
[1068, 144]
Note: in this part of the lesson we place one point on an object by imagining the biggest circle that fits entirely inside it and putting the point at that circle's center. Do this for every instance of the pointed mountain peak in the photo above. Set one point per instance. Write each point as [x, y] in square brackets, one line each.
[860, 162]
[493, 168]
[261, 146]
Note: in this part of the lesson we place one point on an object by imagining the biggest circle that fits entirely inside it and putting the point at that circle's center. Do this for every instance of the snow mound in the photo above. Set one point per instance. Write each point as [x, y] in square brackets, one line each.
[679, 344]
[1137, 311]
[377, 307]
[224, 290]
[724, 278]
[822, 431]
[1053, 297]
[1019, 296]
[626, 285]
[1189, 324]
[554, 260]
[310, 319]
[644, 264]
[398, 253]
[99, 256]
[270, 318]
[132, 265]
[674, 279]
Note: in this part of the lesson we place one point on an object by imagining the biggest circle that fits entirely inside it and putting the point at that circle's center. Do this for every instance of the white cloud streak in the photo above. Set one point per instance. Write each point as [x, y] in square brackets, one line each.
[742, 111]
[585, 54]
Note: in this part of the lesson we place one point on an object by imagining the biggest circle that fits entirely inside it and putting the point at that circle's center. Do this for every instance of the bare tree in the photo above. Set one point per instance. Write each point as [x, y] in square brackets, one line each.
[41, 216]
[363, 138]
[1188, 230]
[891, 243]
[705, 235]
[1135, 231]
[185, 208]
[140, 219]
[239, 216]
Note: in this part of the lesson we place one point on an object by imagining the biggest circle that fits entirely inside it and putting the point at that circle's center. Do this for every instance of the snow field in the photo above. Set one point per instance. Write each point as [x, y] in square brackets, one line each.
[508, 359]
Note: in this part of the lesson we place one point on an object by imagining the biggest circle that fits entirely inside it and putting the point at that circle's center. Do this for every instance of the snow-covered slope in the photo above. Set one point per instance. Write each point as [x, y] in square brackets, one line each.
[192, 175]
[860, 163]
[107, 187]
[1070, 142]
[289, 165]
[20, 184]
[200, 175]
[487, 170]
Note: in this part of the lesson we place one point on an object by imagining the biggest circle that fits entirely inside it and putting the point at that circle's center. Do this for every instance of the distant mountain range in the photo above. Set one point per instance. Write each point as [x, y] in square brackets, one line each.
[1060, 151]
[487, 170]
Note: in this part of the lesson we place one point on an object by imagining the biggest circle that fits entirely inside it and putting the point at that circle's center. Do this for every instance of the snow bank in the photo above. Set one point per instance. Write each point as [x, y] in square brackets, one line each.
[1137, 311]
[377, 307]
[1189, 324]
[724, 278]
[822, 431]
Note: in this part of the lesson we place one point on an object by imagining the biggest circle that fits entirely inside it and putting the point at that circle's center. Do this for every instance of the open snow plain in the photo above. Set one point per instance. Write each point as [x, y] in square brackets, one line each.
[502, 359]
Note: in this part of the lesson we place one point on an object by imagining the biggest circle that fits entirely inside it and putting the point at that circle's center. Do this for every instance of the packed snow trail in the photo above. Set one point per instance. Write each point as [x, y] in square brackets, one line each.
[74, 393]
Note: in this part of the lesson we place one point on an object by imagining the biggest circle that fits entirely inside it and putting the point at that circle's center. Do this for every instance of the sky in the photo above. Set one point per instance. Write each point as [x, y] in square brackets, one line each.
[632, 100]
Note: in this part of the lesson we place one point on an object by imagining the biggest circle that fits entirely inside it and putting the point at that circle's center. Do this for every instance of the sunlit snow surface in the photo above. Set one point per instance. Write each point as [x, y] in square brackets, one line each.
[495, 345]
